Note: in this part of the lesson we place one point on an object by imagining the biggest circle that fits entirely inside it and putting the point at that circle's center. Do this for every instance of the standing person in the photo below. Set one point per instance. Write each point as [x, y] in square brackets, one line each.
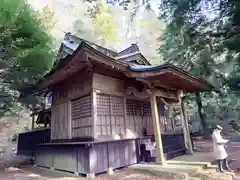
[219, 149]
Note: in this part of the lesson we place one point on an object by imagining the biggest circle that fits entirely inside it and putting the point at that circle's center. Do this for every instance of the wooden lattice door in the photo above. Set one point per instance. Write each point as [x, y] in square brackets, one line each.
[110, 115]
[117, 114]
[138, 115]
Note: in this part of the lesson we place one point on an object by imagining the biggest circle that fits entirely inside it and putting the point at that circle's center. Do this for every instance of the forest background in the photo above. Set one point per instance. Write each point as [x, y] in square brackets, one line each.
[199, 36]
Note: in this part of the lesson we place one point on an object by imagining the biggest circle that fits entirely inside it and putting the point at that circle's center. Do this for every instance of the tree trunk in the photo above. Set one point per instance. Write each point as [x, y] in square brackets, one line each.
[201, 115]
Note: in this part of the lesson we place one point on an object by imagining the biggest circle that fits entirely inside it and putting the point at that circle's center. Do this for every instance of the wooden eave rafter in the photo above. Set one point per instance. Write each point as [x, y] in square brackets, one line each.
[164, 94]
[155, 74]
[178, 81]
[160, 91]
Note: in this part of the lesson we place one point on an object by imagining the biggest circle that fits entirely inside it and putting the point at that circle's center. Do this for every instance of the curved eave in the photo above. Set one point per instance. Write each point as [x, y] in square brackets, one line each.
[169, 76]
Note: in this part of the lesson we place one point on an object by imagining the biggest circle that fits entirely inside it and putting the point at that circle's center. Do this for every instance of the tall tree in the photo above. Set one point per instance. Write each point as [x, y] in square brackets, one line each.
[97, 24]
[201, 37]
[25, 51]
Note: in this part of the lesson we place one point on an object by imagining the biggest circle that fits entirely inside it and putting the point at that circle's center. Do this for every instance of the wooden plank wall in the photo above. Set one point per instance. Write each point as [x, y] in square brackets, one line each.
[114, 154]
[72, 117]
[108, 85]
[84, 159]
[79, 84]
[81, 117]
[60, 124]
[71, 158]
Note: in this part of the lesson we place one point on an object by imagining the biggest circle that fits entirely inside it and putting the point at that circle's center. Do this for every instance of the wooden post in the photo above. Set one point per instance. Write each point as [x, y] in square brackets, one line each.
[125, 114]
[94, 113]
[157, 131]
[33, 121]
[69, 120]
[33, 115]
[187, 137]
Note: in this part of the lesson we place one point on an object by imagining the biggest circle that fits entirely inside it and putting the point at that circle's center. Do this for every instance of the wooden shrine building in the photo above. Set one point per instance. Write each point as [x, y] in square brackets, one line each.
[108, 110]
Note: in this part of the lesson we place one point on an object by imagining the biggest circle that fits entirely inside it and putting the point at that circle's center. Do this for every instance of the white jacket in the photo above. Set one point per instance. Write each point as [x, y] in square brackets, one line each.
[218, 145]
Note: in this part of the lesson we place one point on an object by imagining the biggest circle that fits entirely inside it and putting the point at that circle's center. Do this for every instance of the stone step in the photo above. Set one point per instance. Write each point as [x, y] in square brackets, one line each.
[180, 172]
[210, 166]
[192, 163]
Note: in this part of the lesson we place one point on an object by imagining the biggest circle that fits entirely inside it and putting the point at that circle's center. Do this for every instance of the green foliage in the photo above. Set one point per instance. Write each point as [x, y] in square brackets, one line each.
[104, 22]
[202, 38]
[25, 50]
[97, 24]
[235, 125]
[234, 80]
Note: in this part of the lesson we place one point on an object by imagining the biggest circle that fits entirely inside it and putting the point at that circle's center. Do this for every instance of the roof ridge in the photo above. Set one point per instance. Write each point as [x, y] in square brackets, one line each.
[133, 48]
[89, 42]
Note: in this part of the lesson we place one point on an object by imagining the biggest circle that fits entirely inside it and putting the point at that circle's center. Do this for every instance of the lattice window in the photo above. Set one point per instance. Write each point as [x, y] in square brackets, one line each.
[103, 105]
[81, 116]
[110, 114]
[134, 107]
[130, 107]
[116, 104]
[81, 108]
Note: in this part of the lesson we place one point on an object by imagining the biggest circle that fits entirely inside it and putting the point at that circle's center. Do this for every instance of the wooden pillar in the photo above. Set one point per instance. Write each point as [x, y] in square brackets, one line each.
[33, 121]
[187, 137]
[33, 115]
[157, 131]
[125, 114]
[94, 113]
[69, 120]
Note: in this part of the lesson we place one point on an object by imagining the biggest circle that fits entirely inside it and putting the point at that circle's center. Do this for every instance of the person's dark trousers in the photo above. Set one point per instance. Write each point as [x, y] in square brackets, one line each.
[226, 165]
[223, 165]
[220, 165]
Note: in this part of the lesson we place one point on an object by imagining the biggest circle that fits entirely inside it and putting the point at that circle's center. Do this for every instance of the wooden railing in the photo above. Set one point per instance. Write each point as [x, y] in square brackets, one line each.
[27, 141]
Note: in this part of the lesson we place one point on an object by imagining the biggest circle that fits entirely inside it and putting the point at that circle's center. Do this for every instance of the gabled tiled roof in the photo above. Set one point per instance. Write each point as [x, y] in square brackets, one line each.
[126, 61]
[71, 43]
[130, 50]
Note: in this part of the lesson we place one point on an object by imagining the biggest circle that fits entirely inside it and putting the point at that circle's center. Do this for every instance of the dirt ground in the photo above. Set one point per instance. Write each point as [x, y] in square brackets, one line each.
[33, 173]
